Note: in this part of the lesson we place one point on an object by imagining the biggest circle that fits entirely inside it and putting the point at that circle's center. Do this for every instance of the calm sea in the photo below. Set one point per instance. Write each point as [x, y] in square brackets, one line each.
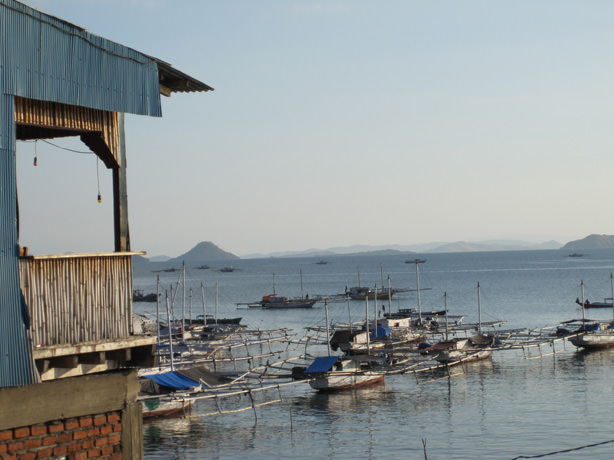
[500, 409]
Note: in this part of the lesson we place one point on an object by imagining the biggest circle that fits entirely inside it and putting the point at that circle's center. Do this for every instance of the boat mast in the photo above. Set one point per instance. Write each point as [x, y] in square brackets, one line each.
[274, 293]
[158, 310]
[301, 274]
[389, 296]
[217, 295]
[327, 331]
[479, 311]
[445, 306]
[183, 302]
[170, 332]
[612, 293]
[417, 262]
[202, 292]
[375, 311]
[367, 323]
[582, 291]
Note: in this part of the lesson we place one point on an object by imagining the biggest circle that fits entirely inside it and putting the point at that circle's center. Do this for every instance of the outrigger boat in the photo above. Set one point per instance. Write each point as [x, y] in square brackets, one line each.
[592, 335]
[334, 373]
[281, 302]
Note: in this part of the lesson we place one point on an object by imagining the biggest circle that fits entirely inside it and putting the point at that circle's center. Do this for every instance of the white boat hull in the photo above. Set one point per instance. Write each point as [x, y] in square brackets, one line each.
[593, 341]
[344, 381]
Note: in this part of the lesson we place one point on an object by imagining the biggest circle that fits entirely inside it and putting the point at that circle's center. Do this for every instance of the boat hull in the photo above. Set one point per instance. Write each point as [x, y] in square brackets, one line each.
[336, 382]
[154, 408]
[593, 341]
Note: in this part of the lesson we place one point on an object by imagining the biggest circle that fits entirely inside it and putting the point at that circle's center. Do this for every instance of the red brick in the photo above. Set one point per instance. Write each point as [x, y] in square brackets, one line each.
[56, 427]
[59, 450]
[71, 423]
[87, 444]
[50, 440]
[79, 456]
[117, 427]
[15, 446]
[21, 432]
[100, 420]
[114, 417]
[27, 456]
[107, 429]
[2, 448]
[93, 453]
[44, 453]
[39, 430]
[107, 450]
[81, 434]
[64, 438]
[116, 457]
[6, 435]
[33, 443]
[85, 421]
[9, 457]
[102, 442]
[115, 438]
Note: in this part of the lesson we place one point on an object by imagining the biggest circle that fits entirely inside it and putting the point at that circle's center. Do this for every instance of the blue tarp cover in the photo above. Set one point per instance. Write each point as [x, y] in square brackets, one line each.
[381, 332]
[173, 380]
[322, 364]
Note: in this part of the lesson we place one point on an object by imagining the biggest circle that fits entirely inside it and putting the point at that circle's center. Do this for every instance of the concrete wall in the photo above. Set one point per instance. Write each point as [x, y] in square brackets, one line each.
[94, 416]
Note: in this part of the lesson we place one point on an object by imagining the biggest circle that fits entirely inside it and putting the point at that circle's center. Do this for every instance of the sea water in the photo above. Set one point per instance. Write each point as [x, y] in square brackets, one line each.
[502, 408]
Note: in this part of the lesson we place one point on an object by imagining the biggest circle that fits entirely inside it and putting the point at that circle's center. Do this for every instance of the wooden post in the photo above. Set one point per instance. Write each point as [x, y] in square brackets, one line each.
[120, 194]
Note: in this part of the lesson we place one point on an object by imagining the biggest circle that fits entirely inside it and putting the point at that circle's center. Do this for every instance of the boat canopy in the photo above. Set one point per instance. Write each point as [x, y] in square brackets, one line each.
[322, 364]
[380, 332]
[173, 380]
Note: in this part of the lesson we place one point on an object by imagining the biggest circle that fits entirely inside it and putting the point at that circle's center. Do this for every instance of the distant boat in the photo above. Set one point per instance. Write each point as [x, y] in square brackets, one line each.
[321, 262]
[575, 254]
[227, 269]
[139, 296]
[202, 267]
[608, 302]
[282, 302]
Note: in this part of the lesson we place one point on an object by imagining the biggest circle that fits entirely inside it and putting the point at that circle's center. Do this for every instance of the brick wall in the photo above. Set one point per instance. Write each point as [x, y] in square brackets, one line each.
[79, 438]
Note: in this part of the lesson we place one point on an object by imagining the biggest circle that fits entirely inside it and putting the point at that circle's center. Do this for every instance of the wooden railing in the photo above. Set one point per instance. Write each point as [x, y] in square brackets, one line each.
[78, 298]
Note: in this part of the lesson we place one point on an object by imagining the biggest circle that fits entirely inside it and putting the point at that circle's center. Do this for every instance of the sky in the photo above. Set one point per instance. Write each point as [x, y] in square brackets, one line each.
[344, 122]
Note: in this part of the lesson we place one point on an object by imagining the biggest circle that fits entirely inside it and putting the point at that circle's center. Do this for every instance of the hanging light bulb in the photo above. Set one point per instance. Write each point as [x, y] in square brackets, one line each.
[99, 198]
[35, 153]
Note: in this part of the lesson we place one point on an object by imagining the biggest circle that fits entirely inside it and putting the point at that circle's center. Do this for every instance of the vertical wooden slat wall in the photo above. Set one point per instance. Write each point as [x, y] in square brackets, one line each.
[77, 299]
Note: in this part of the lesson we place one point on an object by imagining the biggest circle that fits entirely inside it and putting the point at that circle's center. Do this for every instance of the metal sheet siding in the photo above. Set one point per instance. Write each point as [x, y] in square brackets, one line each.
[15, 353]
[48, 59]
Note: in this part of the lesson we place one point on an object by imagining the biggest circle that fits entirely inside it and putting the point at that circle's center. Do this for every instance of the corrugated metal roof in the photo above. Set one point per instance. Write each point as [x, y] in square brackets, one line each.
[100, 73]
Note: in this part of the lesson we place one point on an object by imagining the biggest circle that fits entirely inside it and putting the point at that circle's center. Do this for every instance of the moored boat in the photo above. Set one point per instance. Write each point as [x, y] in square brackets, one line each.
[334, 373]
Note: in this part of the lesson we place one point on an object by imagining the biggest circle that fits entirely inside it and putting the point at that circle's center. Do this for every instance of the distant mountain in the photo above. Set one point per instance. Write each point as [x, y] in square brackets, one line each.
[460, 246]
[204, 251]
[463, 246]
[591, 242]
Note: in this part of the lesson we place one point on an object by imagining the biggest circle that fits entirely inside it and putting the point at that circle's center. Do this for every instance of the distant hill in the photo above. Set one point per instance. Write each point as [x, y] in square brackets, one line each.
[591, 242]
[463, 246]
[204, 251]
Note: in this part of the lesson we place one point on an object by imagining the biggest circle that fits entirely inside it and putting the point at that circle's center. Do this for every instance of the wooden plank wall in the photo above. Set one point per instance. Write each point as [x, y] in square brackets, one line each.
[77, 299]
[103, 124]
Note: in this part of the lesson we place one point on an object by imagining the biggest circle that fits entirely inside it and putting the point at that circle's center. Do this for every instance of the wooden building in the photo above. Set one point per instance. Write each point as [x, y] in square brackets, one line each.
[67, 343]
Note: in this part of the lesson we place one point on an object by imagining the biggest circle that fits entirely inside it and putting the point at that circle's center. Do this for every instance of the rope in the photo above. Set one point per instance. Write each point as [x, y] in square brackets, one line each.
[564, 451]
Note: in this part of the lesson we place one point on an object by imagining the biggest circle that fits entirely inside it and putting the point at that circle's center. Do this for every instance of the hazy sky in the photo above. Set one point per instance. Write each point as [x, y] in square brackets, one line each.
[336, 123]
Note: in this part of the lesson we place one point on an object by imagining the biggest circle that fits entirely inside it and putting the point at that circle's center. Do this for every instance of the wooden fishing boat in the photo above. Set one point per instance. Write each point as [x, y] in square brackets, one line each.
[334, 373]
[162, 407]
[592, 335]
[281, 302]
